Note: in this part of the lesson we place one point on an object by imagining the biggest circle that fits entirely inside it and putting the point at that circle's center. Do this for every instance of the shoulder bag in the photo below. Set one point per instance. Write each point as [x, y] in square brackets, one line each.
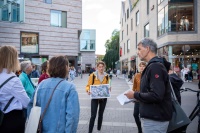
[34, 124]
[179, 118]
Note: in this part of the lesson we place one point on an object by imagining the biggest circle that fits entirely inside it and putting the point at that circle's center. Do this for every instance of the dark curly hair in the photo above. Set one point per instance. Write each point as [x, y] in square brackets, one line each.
[57, 67]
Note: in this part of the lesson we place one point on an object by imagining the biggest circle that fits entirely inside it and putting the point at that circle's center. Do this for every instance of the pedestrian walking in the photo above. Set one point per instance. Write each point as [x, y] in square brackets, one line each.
[62, 115]
[118, 73]
[35, 73]
[72, 73]
[13, 91]
[136, 88]
[155, 93]
[96, 78]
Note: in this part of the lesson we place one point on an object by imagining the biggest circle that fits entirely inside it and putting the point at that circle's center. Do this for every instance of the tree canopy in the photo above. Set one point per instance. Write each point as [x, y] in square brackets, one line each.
[112, 50]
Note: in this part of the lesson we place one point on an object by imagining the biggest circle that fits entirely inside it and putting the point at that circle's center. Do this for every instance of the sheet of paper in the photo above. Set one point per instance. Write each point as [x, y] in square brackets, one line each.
[123, 99]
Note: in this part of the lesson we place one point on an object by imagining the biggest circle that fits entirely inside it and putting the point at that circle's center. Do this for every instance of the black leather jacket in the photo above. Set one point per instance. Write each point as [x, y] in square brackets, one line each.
[155, 92]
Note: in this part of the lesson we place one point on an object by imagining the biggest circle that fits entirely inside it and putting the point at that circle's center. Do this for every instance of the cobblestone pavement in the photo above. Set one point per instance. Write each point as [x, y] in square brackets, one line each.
[118, 118]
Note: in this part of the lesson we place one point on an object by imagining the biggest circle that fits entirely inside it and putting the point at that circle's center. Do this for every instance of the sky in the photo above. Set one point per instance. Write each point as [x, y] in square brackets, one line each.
[104, 16]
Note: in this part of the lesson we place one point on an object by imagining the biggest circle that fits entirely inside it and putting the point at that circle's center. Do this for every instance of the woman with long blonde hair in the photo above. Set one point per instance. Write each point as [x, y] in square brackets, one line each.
[11, 92]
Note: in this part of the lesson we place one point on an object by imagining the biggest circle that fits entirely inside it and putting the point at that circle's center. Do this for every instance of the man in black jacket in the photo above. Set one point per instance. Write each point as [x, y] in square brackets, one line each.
[155, 93]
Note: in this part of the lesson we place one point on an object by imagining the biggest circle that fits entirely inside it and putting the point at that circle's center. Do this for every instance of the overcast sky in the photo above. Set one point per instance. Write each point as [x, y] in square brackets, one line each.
[104, 16]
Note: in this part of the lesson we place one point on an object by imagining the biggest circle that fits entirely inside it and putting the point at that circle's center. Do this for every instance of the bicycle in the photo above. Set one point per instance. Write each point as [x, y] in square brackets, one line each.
[194, 113]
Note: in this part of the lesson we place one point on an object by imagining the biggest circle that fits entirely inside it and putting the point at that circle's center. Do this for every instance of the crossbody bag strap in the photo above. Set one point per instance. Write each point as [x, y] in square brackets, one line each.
[172, 93]
[7, 105]
[42, 116]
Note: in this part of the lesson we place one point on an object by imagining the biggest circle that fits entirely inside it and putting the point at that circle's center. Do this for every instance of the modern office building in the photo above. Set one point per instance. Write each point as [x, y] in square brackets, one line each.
[173, 24]
[87, 49]
[40, 29]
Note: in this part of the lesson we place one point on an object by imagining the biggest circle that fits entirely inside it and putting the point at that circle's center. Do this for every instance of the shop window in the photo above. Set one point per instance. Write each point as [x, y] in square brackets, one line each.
[29, 42]
[146, 30]
[181, 15]
[12, 11]
[58, 18]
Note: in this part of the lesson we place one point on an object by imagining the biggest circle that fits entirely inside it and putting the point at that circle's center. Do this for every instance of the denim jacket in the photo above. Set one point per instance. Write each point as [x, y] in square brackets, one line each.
[62, 115]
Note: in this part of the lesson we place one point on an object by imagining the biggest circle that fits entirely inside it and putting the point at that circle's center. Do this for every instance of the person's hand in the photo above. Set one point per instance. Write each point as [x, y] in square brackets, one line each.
[88, 92]
[129, 94]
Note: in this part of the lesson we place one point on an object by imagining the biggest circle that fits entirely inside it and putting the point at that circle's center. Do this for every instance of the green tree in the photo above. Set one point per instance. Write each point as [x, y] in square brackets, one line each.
[112, 50]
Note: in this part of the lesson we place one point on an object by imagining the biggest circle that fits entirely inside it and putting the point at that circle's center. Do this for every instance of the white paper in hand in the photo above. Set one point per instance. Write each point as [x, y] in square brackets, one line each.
[123, 99]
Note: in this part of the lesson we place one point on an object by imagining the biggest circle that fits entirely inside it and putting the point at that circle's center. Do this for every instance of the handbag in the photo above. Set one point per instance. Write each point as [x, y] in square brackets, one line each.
[34, 124]
[179, 118]
[7, 105]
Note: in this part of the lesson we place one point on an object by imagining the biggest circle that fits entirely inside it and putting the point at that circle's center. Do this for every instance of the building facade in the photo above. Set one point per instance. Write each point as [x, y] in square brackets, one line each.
[87, 49]
[172, 24]
[40, 29]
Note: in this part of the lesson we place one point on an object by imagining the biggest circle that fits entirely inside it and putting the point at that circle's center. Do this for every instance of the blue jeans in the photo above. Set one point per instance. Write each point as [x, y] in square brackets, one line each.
[151, 126]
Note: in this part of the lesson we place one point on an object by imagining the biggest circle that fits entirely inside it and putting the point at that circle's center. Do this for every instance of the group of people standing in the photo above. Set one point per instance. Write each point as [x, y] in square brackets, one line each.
[17, 93]
[153, 105]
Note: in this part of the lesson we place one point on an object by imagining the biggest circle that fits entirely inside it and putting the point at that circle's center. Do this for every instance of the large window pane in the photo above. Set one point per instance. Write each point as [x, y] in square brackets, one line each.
[166, 19]
[88, 40]
[181, 15]
[161, 27]
[15, 7]
[55, 18]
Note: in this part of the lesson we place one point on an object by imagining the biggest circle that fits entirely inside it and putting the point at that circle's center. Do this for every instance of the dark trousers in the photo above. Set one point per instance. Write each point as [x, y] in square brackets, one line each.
[136, 116]
[13, 122]
[94, 105]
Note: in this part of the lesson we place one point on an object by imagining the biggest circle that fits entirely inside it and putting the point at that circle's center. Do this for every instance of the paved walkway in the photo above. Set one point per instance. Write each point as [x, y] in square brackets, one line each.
[118, 118]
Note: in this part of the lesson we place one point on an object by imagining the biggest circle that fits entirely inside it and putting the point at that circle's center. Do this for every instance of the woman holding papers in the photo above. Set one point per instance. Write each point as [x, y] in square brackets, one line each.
[96, 78]
[136, 87]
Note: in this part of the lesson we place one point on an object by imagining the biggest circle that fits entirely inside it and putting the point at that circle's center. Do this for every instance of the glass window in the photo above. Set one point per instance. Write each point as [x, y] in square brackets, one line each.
[29, 42]
[58, 18]
[161, 27]
[12, 11]
[131, 24]
[127, 13]
[15, 8]
[122, 34]
[127, 29]
[147, 6]
[166, 19]
[146, 30]
[137, 18]
[48, 1]
[181, 15]
[124, 48]
[136, 39]
[128, 45]
[87, 40]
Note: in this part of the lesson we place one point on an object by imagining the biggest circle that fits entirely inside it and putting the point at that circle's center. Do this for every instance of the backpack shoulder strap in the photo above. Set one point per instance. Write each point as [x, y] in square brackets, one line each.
[6, 81]
[93, 77]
